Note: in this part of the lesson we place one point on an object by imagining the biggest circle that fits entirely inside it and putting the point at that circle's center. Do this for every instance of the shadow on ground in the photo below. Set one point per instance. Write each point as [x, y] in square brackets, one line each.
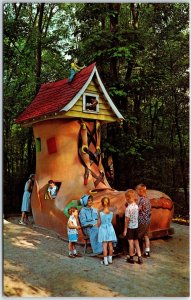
[36, 265]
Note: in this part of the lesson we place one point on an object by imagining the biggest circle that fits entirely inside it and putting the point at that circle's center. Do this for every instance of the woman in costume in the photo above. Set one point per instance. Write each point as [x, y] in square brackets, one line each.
[88, 219]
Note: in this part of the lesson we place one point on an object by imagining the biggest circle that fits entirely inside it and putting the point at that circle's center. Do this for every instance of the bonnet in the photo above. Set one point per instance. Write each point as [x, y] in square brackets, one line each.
[84, 200]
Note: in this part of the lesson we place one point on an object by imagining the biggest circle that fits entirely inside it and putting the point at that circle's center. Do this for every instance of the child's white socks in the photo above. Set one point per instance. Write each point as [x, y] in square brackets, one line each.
[109, 258]
[104, 261]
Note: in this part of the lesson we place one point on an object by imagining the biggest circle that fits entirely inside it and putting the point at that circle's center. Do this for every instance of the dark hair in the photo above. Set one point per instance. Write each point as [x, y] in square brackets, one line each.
[51, 181]
[71, 210]
[90, 197]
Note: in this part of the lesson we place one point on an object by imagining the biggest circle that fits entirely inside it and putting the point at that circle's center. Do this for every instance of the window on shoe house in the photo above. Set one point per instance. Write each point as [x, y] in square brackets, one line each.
[38, 144]
[90, 103]
[51, 145]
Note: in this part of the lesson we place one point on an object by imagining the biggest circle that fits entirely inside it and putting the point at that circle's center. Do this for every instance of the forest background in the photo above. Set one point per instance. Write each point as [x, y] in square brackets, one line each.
[142, 54]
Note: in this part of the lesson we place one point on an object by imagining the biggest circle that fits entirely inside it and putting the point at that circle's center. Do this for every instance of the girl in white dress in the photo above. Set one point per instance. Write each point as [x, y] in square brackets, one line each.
[106, 234]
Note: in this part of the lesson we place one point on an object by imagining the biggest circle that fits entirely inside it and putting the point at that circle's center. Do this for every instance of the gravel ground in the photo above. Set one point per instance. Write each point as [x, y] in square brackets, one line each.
[35, 264]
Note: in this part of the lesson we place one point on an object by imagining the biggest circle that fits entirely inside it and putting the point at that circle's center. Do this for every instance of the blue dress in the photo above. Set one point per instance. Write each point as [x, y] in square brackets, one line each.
[26, 201]
[106, 231]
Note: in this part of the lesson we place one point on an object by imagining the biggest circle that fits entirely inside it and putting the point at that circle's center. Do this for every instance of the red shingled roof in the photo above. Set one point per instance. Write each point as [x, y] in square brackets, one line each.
[52, 97]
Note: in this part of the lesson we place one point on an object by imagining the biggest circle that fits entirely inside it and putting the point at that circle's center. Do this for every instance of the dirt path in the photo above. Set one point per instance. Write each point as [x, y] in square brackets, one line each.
[36, 265]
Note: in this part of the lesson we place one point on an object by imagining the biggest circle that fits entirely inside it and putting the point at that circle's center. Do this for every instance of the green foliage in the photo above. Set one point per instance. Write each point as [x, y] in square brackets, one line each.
[144, 69]
[20, 43]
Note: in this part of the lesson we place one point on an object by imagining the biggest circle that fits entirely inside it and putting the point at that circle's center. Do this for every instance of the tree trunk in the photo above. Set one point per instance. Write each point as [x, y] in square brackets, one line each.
[114, 20]
[137, 113]
[39, 47]
[135, 8]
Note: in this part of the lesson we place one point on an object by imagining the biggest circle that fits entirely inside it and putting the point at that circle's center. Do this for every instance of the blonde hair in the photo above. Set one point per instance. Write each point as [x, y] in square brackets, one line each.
[105, 201]
[131, 195]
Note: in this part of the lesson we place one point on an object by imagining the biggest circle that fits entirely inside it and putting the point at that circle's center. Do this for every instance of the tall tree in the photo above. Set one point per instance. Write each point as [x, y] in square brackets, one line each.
[34, 51]
[138, 56]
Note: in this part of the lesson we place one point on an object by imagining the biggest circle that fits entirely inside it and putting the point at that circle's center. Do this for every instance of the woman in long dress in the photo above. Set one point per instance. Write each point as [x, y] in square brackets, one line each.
[26, 201]
[88, 217]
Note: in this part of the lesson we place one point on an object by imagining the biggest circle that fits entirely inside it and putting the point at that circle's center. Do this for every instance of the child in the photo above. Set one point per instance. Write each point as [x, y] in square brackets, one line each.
[131, 226]
[144, 217]
[72, 229]
[106, 234]
[52, 189]
[92, 104]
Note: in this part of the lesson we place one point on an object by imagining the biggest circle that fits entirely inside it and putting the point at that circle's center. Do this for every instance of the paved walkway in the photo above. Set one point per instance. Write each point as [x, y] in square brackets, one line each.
[36, 265]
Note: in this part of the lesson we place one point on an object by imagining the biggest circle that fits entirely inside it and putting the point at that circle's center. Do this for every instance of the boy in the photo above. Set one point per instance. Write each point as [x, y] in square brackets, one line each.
[131, 226]
[144, 217]
[52, 189]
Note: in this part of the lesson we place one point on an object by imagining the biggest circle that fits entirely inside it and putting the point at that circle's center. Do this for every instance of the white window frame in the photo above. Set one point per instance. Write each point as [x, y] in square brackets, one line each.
[84, 103]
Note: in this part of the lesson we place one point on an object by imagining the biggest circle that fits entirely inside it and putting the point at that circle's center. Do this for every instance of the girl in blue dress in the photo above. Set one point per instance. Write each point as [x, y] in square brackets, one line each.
[26, 201]
[106, 234]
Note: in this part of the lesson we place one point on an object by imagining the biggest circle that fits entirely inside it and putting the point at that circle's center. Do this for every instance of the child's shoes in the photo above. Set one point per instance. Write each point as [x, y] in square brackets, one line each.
[146, 254]
[104, 261]
[77, 255]
[22, 223]
[130, 260]
[140, 260]
[71, 256]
